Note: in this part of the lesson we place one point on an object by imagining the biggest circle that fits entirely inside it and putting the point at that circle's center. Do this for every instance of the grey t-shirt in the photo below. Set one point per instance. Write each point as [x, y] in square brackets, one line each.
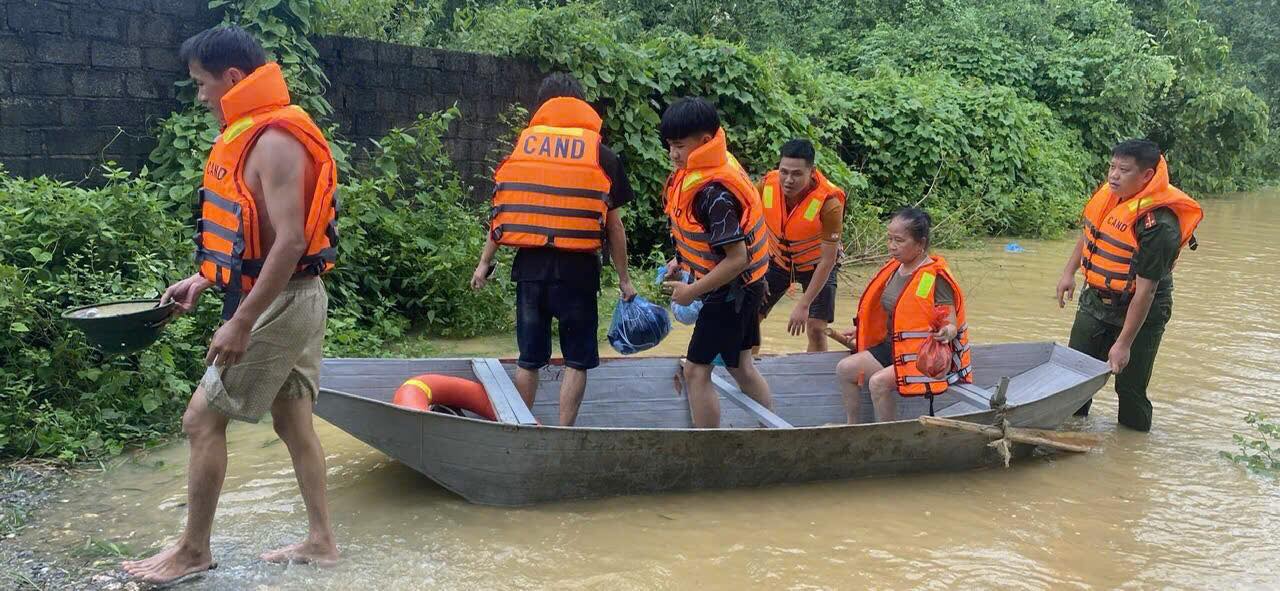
[942, 295]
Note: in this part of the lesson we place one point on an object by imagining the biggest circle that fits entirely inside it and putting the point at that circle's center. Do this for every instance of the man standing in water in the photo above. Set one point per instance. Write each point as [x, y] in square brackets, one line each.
[266, 233]
[1134, 227]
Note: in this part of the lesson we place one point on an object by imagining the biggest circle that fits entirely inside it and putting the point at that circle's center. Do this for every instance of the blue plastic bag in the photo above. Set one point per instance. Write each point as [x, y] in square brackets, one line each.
[684, 314]
[638, 325]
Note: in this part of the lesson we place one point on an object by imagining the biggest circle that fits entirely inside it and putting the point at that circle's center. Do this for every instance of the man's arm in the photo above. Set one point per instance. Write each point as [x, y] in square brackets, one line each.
[1139, 305]
[277, 163]
[832, 228]
[481, 274]
[1158, 245]
[735, 262]
[617, 239]
[1067, 284]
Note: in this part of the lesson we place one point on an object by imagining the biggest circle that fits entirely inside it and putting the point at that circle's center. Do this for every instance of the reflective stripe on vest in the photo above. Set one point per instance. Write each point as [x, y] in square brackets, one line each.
[551, 190]
[228, 244]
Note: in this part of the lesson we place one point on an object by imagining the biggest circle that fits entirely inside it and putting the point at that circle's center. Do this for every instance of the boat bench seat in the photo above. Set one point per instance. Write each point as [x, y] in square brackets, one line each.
[766, 417]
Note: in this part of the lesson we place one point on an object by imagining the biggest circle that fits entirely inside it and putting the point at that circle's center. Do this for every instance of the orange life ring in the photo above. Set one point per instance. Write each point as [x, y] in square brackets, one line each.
[422, 391]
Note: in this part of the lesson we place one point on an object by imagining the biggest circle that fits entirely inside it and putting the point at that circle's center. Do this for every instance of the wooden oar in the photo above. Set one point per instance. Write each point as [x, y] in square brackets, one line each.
[839, 338]
[1073, 442]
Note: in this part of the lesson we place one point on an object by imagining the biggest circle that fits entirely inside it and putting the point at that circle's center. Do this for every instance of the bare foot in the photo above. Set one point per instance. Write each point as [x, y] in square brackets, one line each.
[169, 565]
[304, 553]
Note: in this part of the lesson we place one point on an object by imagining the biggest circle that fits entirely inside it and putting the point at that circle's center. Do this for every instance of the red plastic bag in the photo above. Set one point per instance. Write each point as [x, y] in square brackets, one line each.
[935, 357]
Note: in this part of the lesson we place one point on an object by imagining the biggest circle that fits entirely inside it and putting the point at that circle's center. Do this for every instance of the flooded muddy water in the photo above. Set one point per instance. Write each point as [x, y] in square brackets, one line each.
[1157, 510]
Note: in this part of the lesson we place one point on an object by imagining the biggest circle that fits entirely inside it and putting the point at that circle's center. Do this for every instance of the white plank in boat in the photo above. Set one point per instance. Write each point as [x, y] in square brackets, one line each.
[506, 400]
[764, 415]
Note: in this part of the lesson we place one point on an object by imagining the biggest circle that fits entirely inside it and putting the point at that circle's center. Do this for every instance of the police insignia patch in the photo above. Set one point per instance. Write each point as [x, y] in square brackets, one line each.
[1148, 221]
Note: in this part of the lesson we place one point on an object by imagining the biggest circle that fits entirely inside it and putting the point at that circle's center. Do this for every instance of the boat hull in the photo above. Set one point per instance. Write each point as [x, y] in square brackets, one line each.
[501, 464]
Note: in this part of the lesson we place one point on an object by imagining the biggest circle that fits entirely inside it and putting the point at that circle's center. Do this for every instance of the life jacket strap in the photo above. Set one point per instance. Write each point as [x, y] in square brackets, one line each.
[545, 209]
[1098, 234]
[550, 190]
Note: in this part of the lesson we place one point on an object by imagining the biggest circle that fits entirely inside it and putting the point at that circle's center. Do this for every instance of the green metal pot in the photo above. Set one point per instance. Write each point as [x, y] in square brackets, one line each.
[121, 327]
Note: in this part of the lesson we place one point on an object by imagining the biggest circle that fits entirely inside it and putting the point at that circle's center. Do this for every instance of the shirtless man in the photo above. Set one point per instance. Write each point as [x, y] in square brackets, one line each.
[267, 232]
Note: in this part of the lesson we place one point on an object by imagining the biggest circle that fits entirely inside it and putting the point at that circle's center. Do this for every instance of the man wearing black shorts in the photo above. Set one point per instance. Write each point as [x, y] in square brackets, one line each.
[554, 169]
[720, 236]
[805, 213]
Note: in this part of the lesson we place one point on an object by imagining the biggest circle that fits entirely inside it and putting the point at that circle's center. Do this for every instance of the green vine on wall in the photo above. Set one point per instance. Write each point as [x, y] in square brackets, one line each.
[282, 27]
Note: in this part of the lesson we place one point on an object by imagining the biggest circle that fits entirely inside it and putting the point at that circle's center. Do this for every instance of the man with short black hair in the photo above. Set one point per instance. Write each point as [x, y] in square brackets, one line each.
[805, 214]
[1134, 227]
[267, 230]
[556, 200]
[718, 227]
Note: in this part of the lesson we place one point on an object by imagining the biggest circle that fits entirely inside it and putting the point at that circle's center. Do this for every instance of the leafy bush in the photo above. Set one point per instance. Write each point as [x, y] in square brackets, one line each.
[408, 22]
[415, 238]
[1212, 126]
[66, 246]
[1002, 163]
[407, 249]
[1097, 72]
[183, 139]
[1260, 450]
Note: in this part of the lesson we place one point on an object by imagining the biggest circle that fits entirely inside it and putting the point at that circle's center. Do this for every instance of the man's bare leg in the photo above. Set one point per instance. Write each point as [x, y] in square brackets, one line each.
[817, 331]
[291, 418]
[750, 380]
[206, 431]
[573, 383]
[527, 385]
[704, 402]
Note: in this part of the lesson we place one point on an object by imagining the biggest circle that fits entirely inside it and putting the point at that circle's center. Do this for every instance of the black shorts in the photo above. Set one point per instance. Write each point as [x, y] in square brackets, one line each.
[727, 328]
[883, 353]
[780, 280]
[537, 302]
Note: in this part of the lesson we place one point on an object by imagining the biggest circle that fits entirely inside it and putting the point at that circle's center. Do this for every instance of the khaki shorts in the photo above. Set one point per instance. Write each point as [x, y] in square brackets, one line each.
[286, 347]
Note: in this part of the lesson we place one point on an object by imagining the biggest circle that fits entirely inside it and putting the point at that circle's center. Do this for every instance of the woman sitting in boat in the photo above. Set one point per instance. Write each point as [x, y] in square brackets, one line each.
[893, 322]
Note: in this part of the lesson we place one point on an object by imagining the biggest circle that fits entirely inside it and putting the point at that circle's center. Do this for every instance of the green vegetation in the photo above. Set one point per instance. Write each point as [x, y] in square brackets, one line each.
[1106, 69]
[1259, 450]
[409, 242]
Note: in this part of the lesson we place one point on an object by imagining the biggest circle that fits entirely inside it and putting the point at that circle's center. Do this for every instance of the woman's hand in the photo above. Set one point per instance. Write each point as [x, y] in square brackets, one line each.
[946, 333]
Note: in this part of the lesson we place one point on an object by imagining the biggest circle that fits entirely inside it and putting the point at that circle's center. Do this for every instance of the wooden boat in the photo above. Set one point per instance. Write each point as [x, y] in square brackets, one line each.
[633, 433]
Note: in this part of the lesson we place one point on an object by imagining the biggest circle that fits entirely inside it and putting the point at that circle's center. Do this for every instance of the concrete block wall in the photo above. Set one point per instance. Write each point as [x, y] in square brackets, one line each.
[377, 86]
[85, 81]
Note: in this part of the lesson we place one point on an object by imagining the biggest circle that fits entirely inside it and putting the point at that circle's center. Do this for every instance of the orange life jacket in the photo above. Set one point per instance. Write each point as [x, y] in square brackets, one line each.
[229, 248]
[911, 326]
[709, 163]
[1111, 230]
[797, 234]
[551, 190]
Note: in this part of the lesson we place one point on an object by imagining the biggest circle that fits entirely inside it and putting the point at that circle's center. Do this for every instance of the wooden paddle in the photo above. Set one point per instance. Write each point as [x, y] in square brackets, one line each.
[839, 338]
[1066, 441]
